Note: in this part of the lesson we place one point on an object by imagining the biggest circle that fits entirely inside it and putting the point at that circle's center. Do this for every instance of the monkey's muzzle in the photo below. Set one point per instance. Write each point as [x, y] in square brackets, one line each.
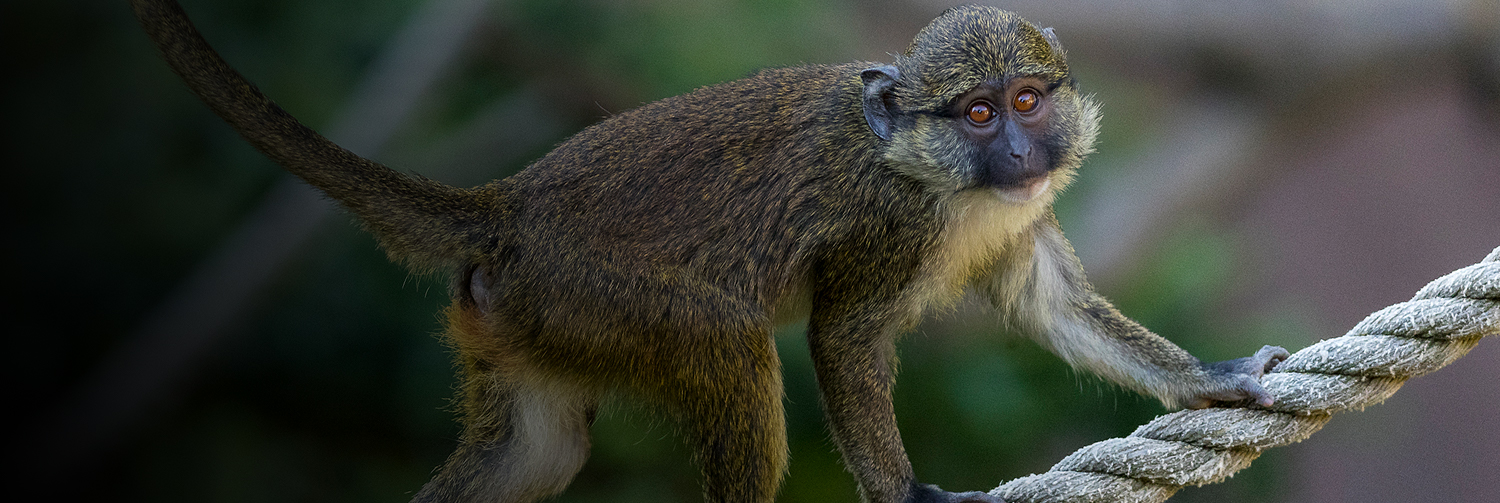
[1024, 192]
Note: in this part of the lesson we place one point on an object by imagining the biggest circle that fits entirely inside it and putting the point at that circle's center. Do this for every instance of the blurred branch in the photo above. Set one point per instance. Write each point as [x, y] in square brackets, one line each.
[500, 135]
[1322, 33]
[1208, 147]
[150, 366]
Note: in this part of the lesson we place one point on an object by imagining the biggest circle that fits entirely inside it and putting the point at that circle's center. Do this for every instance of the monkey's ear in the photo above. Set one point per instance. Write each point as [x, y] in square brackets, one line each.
[878, 83]
[1052, 40]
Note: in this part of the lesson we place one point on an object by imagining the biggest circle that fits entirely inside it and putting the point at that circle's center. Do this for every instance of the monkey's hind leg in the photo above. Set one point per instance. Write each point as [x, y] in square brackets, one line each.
[734, 418]
[524, 439]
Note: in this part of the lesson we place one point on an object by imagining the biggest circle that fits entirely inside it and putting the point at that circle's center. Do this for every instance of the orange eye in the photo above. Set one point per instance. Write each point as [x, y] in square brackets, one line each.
[1025, 101]
[981, 112]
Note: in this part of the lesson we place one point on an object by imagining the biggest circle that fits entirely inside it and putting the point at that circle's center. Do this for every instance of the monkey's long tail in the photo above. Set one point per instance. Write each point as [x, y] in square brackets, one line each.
[418, 221]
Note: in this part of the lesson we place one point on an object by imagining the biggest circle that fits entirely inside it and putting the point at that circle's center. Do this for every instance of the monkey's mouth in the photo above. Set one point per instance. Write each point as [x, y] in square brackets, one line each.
[1025, 191]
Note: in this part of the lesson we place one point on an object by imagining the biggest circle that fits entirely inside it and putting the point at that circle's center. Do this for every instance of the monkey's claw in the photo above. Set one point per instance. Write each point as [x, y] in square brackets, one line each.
[1238, 380]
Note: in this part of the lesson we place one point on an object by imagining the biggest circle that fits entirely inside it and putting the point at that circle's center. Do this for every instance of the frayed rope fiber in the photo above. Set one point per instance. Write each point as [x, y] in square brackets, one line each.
[1364, 367]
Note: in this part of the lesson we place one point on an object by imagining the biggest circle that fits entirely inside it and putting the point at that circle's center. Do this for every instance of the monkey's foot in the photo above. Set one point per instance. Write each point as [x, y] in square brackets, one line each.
[1238, 380]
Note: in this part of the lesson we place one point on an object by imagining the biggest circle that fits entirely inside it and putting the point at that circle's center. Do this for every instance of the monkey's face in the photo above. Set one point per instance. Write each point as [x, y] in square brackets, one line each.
[1005, 145]
[983, 100]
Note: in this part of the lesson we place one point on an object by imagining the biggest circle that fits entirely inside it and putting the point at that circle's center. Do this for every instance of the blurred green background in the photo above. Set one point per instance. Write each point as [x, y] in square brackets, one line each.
[1267, 175]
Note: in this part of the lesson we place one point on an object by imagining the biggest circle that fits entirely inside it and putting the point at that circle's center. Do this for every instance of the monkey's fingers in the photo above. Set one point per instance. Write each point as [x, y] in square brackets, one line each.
[1236, 389]
[1257, 365]
[1252, 390]
[1271, 356]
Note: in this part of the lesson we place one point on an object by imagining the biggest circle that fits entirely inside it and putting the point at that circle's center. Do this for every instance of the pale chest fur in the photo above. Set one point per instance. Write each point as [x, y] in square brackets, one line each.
[979, 229]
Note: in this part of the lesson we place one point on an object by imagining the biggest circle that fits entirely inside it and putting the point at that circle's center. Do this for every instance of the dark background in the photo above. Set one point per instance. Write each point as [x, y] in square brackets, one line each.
[188, 325]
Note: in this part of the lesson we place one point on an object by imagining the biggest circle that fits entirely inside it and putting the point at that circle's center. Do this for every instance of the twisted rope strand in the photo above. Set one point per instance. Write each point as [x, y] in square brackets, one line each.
[1440, 324]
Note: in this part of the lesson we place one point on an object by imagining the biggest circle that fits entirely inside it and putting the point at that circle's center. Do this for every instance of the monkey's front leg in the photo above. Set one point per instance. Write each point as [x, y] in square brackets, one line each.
[1093, 335]
[853, 355]
[1041, 289]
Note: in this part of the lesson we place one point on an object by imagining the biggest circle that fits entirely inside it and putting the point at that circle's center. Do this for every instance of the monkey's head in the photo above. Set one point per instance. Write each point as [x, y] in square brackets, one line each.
[982, 100]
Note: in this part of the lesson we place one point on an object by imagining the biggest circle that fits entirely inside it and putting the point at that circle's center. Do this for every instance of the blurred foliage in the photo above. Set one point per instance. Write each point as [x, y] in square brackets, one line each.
[337, 388]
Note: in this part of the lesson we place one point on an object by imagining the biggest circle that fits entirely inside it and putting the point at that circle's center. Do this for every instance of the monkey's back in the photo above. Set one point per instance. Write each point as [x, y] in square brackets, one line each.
[679, 187]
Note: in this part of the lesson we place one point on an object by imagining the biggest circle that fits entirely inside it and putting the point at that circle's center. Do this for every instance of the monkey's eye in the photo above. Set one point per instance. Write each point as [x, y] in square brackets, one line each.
[981, 112]
[1025, 101]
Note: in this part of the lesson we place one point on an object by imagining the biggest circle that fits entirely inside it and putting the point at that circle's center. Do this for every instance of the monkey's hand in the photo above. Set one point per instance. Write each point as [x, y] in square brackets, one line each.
[928, 493]
[1238, 380]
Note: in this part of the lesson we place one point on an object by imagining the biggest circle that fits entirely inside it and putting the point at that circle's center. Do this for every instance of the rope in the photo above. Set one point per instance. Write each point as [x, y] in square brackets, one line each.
[1441, 323]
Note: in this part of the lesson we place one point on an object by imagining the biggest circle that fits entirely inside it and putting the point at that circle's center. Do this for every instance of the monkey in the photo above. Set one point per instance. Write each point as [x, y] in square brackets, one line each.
[652, 254]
